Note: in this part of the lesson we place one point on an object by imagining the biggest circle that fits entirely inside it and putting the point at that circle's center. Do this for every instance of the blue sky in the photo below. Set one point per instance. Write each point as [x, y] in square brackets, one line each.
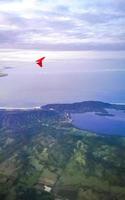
[97, 25]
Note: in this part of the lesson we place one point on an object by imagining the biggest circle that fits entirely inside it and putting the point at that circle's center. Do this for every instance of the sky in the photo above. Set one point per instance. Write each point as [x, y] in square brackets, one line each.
[62, 25]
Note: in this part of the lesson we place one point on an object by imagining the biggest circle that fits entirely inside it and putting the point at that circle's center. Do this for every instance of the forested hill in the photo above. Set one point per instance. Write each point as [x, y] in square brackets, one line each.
[85, 106]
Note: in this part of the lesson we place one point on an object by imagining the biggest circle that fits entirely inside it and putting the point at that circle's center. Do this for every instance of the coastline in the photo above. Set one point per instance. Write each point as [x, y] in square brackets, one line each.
[20, 108]
[40, 107]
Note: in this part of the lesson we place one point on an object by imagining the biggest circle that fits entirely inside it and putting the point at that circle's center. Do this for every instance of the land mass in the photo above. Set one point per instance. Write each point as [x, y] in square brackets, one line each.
[85, 106]
[3, 74]
[43, 156]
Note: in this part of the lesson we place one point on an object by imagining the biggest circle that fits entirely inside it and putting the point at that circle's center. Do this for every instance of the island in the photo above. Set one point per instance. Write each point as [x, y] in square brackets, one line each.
[44, 156]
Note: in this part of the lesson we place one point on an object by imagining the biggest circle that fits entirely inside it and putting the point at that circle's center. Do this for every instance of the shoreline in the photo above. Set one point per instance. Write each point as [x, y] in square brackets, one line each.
[40, 107]
[20, 108]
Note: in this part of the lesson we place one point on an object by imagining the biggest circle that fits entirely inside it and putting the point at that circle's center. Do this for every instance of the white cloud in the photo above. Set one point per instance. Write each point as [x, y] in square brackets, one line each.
[62, 24]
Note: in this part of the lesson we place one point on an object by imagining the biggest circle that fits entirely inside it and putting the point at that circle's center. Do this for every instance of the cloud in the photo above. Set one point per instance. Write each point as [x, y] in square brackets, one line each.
[62, 25]
[101, 17]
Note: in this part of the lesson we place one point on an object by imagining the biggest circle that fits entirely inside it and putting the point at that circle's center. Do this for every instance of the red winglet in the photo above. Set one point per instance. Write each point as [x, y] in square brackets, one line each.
[40, 61]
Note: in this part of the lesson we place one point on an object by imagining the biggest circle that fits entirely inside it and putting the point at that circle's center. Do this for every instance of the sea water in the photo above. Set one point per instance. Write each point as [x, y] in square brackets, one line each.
[62, 81]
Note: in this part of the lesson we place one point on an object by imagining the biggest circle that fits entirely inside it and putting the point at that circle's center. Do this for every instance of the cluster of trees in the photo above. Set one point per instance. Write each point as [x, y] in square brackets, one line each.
[33, 194]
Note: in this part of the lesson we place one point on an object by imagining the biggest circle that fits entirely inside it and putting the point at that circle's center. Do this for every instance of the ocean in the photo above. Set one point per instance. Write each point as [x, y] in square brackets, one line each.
[62, 81]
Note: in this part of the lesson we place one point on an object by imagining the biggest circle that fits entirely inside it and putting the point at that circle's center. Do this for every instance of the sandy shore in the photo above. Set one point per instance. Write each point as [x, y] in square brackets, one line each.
[19, 108]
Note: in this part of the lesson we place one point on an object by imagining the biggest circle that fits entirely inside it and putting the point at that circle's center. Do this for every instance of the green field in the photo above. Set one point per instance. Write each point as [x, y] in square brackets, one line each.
[75, 164]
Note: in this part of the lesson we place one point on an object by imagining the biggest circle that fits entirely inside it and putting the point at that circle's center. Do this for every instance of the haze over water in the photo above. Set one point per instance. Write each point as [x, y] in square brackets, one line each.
[62, 81]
